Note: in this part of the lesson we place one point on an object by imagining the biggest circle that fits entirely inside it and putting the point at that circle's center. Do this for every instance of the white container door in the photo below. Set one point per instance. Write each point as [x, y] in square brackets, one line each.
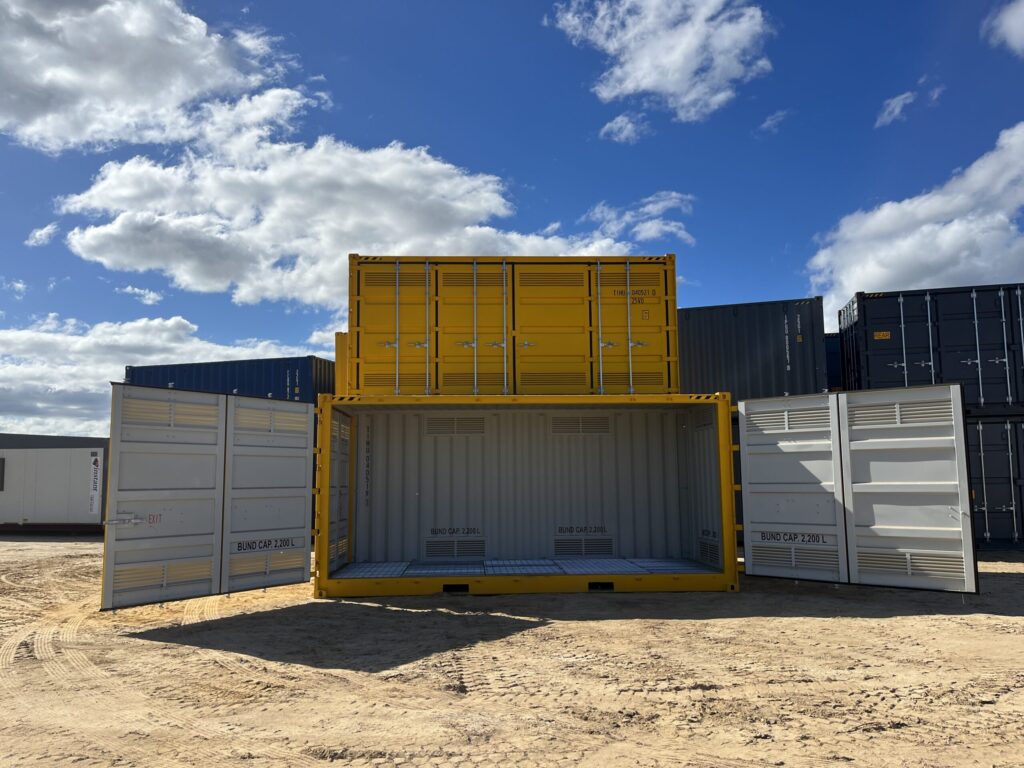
[792, 489]
[268, 493]
[166, 496]
[195, 479]
[905, 486]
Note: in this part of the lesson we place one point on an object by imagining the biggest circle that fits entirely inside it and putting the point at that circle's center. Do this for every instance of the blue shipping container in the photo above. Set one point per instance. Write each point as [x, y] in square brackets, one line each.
[279, 378]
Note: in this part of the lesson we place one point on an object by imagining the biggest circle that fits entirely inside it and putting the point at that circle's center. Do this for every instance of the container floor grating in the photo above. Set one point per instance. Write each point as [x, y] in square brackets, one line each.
[572, 566]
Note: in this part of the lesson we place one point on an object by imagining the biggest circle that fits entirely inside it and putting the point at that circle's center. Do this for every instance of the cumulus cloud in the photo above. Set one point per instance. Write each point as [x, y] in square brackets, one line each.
[964, 231]
[772, 122]
[1005, 26]
[627, 128]
[18, 287]
[688, 55]
[892, 109]
[644, 220]
[90, 73]
[144, 295]
[54, 373]
[43, 235]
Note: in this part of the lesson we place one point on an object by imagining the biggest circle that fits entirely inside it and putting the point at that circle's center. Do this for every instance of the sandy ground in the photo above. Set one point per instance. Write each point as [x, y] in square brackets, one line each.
[780, 674]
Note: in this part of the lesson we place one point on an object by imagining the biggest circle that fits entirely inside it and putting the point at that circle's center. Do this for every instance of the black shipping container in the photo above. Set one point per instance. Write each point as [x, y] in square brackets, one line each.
[280, 378]
[997, 479]
[833, 362]
[763, 349]
[973, 336]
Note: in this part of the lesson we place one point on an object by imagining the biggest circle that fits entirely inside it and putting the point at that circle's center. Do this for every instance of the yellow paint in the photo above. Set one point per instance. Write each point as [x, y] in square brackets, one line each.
[415, 316]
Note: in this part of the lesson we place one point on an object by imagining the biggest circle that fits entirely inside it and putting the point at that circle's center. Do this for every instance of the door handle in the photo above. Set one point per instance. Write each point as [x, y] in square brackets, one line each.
[526, 344]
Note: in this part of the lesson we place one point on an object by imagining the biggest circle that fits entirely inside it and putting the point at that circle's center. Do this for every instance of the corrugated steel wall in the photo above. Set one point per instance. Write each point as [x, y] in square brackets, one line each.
[997, 479]
[765, 349]
[284, 378]
[537, 484]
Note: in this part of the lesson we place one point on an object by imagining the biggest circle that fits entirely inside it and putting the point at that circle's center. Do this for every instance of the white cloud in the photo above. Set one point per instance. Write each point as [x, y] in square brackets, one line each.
[144, 295]
[18, 287]
[644, 220]
[962, 232]
[627, 128]
[773, 121]
[689, 55]
[892, 109]
[1006, 27]
[936, 93]
[89, 73]
[43, 235]
[54, 373]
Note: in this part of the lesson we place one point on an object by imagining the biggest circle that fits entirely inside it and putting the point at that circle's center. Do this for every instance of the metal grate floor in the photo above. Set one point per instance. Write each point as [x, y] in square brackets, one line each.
[540, 567]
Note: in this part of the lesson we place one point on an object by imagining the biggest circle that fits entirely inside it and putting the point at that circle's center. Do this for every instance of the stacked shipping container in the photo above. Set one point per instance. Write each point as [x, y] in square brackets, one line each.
[973, 336]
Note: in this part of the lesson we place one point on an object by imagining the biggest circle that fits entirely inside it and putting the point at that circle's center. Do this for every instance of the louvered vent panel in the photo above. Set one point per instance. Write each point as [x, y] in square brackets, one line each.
[580, 425]
[439, 548]
[709, 552]
[195, 415]
[416, 380]
[466, 379]
[138, 577]
[771, 557]
[937, 566]
[288, 560]
[554, 379]
[640, 378]
[248, 565]
[873, 415]
[568, 547]
[812, 418]
[343, 431]
[940, 412]
[883, 562]
[766, 421]
[253, 420]
[408, 276]
[290, 422]
[822, 559]
[545, 279]
[465, 279]
[597, 547]
[455, 425]
[145, 412]
[636, 279]
[469, 548]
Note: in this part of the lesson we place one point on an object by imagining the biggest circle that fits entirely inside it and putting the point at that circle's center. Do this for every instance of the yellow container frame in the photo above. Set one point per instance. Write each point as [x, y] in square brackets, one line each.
[326, 587]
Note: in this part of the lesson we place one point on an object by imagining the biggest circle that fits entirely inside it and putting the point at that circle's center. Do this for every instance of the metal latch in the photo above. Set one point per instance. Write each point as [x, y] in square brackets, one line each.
[972, 362]
[418, 344]
[389, 344]
[496, 344]
[466, 344]
[123, 521]
[607, 344]
[638, 343]
[525, 344]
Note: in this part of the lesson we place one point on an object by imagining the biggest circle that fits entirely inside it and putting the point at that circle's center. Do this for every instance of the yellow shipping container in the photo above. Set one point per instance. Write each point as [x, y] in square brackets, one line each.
[494, 325]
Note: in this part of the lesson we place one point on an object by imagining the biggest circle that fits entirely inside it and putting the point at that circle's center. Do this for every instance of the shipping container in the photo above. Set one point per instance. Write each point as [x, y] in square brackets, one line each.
[52, 483]
[973, 336]
[299, 379]
[833, 362]
[859, 487]
[997, 479]
[763, 349]
[512, 325]
[524, 494]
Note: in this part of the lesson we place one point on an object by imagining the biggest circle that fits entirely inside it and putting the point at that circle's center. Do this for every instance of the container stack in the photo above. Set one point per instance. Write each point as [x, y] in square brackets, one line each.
[973, 336]
[514, 424]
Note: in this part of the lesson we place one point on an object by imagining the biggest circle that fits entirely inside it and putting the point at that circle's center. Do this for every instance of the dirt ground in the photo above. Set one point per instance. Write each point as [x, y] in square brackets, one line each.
[781, 674]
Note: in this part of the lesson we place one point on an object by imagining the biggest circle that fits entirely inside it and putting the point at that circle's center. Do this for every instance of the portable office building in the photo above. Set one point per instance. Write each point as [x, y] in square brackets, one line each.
[52, 483]
[300, 379]
[512, 325]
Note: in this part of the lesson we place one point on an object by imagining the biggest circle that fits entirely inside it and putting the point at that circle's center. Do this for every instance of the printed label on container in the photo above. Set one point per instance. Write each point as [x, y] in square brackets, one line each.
[261, 545]
[581, 529]
[456, 531]
[883, 335]
[795, 537]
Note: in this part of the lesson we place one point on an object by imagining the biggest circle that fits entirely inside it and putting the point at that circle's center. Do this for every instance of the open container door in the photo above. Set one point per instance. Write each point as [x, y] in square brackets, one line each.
[906, 490]
[192, 476]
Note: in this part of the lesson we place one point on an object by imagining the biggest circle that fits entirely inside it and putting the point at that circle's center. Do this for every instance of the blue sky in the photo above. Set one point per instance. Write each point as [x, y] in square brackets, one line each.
[205, 168]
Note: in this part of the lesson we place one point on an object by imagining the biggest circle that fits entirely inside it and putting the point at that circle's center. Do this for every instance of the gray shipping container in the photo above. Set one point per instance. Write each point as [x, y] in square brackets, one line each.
[763, 349]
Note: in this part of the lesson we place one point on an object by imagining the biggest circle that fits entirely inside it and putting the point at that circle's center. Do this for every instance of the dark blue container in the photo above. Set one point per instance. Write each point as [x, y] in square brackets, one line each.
[279, 378]
[833, 362]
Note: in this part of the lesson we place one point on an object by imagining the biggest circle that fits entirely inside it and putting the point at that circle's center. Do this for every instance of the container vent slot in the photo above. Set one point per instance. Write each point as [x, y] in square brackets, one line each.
[465, 279]
[932, 565]
[554, 379]
[873, 415]
[455, 425]
[156, 412]
[766, 421]
[253, 419]
[581, 425]
[568, 547]
[440, 548]
[811, 418]
[584, 547]
[473, 548]
[640, 378]
[542, 279]
[459, 379]
[597, 547]
[709, 552]
[771, 557]
[938, 412]
[415, 380]
[411, 276]
[285, 421]
[454, 549]
[636, 279]
[819, 559]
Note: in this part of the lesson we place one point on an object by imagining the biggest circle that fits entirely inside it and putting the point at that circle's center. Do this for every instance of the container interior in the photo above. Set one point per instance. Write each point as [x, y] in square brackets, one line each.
[514, 490]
